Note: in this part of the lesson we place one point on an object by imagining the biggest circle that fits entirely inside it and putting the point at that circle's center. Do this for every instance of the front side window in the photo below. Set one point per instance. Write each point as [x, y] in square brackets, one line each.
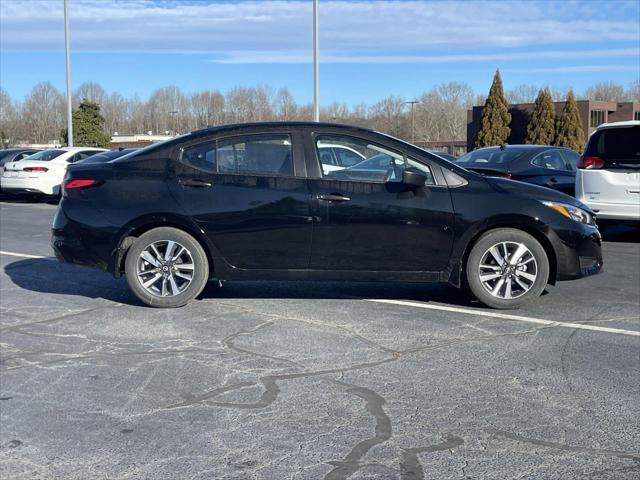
[256, 155]
[551, 160]
[347, 157]
[365, 161]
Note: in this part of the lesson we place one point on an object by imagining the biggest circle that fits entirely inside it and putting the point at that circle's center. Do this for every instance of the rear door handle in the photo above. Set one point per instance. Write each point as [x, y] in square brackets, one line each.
[333, 197]
[194, 182]
[553, 180]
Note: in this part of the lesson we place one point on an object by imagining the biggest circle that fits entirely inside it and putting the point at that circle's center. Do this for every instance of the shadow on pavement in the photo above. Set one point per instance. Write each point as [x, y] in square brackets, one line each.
[51, 277]
[616, 232]
[29, 199]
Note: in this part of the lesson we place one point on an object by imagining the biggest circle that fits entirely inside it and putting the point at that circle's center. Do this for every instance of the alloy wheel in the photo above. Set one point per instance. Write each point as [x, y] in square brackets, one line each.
[508, 270]
[165, 268]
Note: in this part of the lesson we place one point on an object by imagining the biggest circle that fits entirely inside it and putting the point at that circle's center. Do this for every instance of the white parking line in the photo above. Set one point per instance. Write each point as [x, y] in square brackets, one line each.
[506, 316]
[23, 255]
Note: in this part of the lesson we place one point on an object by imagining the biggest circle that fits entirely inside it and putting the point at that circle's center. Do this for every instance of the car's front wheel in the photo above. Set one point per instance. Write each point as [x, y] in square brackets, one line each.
[506, 268]
[166, 267]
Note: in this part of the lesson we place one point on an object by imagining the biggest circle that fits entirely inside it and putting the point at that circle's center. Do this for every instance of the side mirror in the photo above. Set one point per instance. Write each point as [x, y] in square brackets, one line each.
[414, 177]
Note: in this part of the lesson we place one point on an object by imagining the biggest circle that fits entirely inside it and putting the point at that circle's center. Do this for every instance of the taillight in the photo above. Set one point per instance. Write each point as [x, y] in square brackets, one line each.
[78, 183]
[505, 175]
[35, 169]
[588, 162]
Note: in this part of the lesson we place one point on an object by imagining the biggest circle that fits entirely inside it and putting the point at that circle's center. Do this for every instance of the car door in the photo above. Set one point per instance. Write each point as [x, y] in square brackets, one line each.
[243, 192]
[366, 219]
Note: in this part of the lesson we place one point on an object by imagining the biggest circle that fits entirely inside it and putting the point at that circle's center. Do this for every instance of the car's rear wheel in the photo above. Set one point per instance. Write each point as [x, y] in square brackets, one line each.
[166, 267]
[506, 268]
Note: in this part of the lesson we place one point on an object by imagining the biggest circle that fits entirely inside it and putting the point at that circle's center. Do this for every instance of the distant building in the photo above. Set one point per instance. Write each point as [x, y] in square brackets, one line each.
[136, 141]
[592, 114]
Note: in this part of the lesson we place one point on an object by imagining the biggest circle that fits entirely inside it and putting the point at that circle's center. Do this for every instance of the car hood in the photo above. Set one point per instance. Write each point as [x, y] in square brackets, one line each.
[534, 192]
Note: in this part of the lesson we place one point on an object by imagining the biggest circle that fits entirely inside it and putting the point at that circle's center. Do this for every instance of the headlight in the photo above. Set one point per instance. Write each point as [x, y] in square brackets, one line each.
[574, 213]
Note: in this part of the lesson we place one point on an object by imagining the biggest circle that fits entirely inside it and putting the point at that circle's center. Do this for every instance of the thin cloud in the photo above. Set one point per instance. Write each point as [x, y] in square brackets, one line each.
[581, 69]
[367, 28]
[304, 57]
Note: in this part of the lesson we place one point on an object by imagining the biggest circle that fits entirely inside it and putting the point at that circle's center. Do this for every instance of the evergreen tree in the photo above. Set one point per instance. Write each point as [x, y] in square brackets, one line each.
[569, 132]
[541, 127]
[495, 117]
[88, 126]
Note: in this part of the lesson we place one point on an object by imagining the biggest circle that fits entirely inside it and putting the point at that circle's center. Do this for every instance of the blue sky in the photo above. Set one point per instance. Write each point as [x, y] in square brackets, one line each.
[369, 49]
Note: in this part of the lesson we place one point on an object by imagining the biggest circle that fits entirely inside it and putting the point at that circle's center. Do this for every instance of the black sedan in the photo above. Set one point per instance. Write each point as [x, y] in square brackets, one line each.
[255, 201]
[552, 167]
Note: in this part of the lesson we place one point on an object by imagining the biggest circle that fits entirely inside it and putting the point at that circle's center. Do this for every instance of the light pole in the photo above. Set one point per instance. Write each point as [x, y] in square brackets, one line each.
[68, 60]
[173, 120]
[316, 80]
[412, 103]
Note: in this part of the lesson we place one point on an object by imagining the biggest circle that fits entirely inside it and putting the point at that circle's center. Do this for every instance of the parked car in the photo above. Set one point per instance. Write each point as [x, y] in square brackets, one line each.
[15, 154]
[337, 157]
[445, 155]
[108, 156]
[552, 167]
[608, 178]
[42, 172]
[254, 201]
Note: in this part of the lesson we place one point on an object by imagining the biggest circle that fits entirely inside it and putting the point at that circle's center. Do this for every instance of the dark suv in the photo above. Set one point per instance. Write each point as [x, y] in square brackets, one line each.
[254, 201]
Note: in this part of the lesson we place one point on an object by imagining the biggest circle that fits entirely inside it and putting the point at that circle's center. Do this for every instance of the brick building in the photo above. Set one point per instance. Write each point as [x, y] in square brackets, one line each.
[592, 114]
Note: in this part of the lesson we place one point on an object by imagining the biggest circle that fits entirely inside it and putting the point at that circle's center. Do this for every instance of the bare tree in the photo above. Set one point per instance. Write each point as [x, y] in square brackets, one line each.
[389, 115]
[606, 92]
[632, 94]
[91, 91]
[522, 94]
[9, 129]
[43, 113]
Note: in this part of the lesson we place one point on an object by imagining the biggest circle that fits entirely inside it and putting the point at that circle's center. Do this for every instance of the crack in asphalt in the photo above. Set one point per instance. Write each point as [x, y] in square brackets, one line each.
[563, 447]
[383, 430]
[410, 467]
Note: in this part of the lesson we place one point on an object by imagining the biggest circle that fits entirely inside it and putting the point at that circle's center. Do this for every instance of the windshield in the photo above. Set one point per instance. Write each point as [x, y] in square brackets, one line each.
[45, 155]
[490, 156]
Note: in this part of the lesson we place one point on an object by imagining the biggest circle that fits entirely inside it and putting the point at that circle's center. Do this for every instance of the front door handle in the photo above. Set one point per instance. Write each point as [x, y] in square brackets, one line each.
[333, 197]
[553, 180]
[194, 182]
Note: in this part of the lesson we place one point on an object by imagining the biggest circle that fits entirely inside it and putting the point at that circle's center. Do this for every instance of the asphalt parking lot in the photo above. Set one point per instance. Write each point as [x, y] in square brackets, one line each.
[309, 380]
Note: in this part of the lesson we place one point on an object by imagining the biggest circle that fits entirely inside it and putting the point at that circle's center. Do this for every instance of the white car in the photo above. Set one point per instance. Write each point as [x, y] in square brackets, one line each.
[337, 157]
[42, 172]
[608, 177]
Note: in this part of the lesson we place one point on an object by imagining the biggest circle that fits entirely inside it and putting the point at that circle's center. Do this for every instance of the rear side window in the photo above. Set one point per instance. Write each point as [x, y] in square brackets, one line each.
[551, 160]
[201, 156]
[256, 155]
[619, 145]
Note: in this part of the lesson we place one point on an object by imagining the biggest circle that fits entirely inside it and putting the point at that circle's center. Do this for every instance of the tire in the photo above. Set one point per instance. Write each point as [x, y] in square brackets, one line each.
[179, 276]
[521, 282]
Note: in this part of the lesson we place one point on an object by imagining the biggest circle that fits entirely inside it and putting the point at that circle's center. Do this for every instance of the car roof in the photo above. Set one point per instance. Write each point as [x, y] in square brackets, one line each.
[626, 123]
[523, 146]
[75, 149]
[249, 126]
